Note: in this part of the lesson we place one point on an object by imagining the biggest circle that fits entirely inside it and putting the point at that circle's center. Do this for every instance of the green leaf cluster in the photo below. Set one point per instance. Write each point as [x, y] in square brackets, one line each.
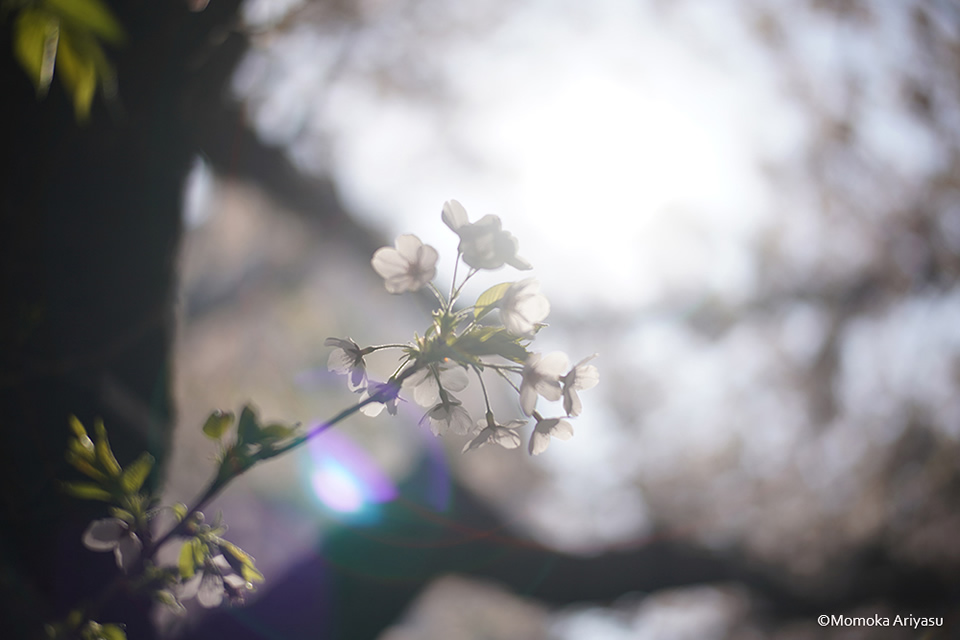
[489, 341]
[76, 626]
[254, 442]
[474, 340]
[65, 38]
[109, 482]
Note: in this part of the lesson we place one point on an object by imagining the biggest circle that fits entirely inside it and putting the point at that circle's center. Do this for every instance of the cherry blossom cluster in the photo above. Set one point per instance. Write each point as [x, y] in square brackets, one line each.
[464, 340]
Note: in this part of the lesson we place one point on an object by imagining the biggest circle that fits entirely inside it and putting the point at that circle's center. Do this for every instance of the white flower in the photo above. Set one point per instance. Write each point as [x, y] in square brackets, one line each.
[582, 376]
[428, 381]
[541, 375]
[113, 534]
[449, 415]
[523, 307]
[408, 267]
[213, 582]
[547, 427]
[484, 244]
[347, 359]
[504, 435]
[374, 409]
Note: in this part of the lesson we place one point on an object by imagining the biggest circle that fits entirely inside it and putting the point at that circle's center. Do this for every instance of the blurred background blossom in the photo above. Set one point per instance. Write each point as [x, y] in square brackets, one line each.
[750, 210]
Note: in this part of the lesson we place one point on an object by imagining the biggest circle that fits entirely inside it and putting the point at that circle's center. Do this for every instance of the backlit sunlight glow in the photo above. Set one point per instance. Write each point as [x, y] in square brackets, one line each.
[606, 162]
[628, 180]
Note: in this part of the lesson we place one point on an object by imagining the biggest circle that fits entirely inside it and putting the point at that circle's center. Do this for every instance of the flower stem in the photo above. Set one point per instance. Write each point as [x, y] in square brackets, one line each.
[456, 293]
[501, 373]
[378, 347]
[453, 283]
[219, 482]
[486, 398]
[439, 296]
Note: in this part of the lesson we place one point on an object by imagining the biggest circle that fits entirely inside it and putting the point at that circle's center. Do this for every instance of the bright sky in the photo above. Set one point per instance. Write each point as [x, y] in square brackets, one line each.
[623, 144]
[623, 160]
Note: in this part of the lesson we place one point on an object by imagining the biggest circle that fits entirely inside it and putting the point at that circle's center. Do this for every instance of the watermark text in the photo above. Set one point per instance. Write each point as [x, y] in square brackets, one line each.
[876, 620]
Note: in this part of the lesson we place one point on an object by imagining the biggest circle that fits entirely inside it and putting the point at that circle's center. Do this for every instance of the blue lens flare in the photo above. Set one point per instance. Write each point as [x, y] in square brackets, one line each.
[337, 488]
[344, 477]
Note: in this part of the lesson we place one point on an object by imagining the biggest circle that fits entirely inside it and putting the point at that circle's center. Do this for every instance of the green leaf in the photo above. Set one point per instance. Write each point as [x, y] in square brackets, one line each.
[102, 446]
[80, 448]
[76, 66]
[187, 562]
[82, 440]
[490, 341]
[136, 473]
[112, 632]
[278, 431]
[179, 511]
[74, 618]
[248, 428]
[240, 561]
[200, 551]
[106, 76]
[251, 574]
[87, 491]
[89, 15]
[83, 465]
[168, 599]
[488, 299]
[217, 424]
[35, 36]
[91, 631]
[123, 514]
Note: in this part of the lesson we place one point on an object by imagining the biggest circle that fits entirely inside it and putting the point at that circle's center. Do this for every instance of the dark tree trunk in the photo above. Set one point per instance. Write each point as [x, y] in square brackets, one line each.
[89, 228]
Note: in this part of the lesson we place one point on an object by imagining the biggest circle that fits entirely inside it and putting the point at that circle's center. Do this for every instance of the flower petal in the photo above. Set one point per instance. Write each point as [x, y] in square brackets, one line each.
[127, 551]
[408, 246]
[545, 429]
[454, 378]
[506, 438]
[523, 308]
[356, 377]
[236, 582]
[340, 361]
[189, 588]
[587, 377]
[553, 365]
[373, 409]
[460, 421]
[572, 405]
[563, 430]
[549, 389]
[103, 535]
[477, 442]
[210, 593]
[538, 443]
[426, 261]
[528, 398]
[454, 215]
[345, 344]
[426, 392]
[388, 262]
[519, 263]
